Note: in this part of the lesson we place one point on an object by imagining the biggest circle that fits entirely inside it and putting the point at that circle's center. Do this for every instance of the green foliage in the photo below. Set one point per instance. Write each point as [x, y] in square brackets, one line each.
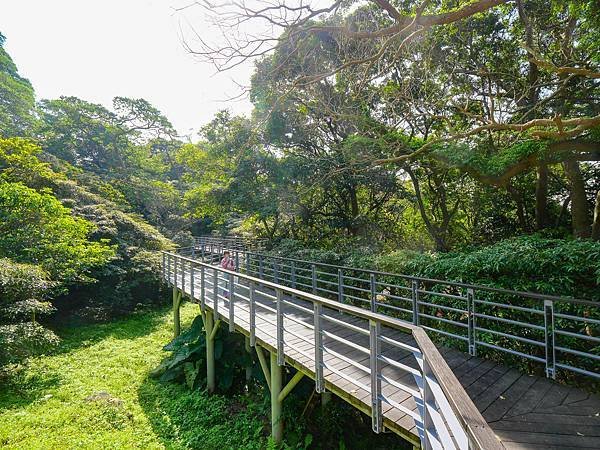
[188, 359]
[19, 161]
[528, 263]
[23, 291]
[16, 98]
[35, 227]
[94, 392]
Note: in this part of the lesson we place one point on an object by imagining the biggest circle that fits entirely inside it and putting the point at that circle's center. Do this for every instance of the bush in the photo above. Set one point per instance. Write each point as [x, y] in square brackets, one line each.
[528, 263]
[23, 291]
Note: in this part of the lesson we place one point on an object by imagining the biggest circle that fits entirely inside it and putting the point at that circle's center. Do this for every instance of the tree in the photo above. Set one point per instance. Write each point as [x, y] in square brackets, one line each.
[36, 228]
[16, 98]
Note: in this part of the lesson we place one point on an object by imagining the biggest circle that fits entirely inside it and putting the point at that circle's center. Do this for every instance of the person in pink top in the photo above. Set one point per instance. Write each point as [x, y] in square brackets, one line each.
[227, 263]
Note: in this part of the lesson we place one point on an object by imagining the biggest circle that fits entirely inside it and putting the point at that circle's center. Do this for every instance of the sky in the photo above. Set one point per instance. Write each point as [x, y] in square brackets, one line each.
[99, 49]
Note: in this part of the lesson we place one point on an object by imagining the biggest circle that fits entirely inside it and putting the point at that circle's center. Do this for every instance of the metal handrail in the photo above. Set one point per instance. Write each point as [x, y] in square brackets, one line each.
[533, 295]
[563, 332]
[447, 416]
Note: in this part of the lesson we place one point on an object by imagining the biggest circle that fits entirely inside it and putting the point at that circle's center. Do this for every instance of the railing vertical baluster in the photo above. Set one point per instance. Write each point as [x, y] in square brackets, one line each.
[428, 401]
[373, 292]
[415, 301]
[314, 278]
[252, 313]
[202, 289]
[182, 261]
[192, 281]
[340, 286]
[549, 338]
[175, 271]
[260, 267]
[231, 294]
[237, 261]
[248, 269]
[319, 380]
[293, 270]
[471, 320]
[280, 330]
[202, 251]
[169, 269]
[375, 366]
[275, 272]
[216, 293]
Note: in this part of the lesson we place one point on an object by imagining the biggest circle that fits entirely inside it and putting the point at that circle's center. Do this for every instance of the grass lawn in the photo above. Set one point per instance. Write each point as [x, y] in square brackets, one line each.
[94, 392]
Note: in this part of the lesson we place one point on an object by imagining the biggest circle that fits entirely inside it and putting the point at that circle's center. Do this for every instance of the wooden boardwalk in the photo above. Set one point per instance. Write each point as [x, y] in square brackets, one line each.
[525, 412]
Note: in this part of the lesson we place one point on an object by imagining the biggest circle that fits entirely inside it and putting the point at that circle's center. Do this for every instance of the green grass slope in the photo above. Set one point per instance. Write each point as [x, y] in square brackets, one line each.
[95, 393]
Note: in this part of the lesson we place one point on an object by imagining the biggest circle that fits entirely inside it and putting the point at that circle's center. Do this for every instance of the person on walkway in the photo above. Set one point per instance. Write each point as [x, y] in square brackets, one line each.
[227, 263]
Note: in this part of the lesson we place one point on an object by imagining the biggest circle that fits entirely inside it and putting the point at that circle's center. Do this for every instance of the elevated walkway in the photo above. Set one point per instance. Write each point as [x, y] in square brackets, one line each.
[387, 368]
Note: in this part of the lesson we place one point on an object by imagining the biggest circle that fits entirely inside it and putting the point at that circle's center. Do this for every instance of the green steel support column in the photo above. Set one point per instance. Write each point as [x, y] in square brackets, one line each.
[325, 398]
[276, 381]
[176, 305]
[210, 351]
[249, 366]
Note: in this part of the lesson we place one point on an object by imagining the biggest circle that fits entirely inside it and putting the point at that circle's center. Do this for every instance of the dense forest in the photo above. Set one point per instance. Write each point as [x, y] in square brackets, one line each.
[455, 140]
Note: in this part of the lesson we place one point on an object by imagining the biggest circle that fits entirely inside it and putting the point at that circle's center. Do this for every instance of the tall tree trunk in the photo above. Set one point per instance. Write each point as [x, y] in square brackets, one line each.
[579, 206]
[596, 224]
[439, 238]
[541, 197]
[518, 199]
[354, 228]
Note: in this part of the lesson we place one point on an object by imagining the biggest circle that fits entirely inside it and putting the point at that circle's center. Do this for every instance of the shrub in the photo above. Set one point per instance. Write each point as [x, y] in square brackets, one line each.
[23, 291]
[529, 263]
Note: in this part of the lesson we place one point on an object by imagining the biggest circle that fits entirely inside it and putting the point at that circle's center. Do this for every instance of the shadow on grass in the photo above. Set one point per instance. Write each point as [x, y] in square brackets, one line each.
[184, 419]
[20, 386]
[137, 324]
[194, 420]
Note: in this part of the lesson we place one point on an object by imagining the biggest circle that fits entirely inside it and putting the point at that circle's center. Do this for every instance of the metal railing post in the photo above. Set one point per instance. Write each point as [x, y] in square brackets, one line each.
[175, 271]
[192, 280]
[182, 268]
[202, 251]
[252, 312]
[194, 251]
[275, 272]
[169, 269]
[202, 289]
[471, 320]
[231, 294]
[237, 261]
[428, 401]
[314, 278]
[248, 270]
[280, 331]
[340, 286]
[375, 366]
[293, 271]
[163, 267]
[415, 301]
[216, 293]
[260, 267]
[319, 380]
[549, 338]
[373, 292]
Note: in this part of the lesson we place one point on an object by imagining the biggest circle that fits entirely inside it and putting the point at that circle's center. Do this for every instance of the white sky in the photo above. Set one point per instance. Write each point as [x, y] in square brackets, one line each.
[99, 49]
